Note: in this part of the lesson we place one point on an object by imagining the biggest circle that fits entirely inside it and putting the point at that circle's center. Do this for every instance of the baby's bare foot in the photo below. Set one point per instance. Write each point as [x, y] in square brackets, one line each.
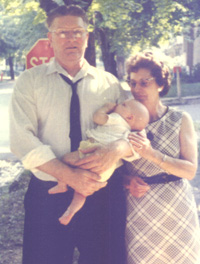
[66, 217]
[59, 188]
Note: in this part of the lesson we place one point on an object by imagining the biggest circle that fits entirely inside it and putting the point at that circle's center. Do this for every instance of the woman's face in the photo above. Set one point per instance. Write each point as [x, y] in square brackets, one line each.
[143, 86]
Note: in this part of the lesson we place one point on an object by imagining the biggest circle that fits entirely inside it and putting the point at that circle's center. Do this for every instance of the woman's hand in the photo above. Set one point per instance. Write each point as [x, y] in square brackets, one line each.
[141, 144]
[137, 187]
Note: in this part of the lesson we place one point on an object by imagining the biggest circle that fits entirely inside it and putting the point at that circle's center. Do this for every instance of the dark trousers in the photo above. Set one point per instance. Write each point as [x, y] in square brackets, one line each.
[46, 241]
[97, 230]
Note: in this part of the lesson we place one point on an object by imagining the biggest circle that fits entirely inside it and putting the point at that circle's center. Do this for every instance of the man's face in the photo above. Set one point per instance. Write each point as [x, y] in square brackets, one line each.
[69, 46]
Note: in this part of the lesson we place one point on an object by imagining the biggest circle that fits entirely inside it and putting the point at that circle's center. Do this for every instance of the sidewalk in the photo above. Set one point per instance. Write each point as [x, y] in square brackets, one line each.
[182, 101]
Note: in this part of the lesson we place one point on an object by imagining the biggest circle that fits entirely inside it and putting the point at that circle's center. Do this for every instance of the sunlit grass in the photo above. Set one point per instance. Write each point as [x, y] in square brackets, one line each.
[187, 89]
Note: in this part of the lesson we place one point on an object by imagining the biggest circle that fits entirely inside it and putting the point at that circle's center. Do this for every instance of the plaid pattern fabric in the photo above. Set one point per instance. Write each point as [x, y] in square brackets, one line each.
[162, 227]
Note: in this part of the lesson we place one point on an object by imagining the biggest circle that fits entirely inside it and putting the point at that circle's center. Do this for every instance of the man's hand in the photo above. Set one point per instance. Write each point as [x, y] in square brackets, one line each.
[101, 159]
[85, 182]
[137, 187]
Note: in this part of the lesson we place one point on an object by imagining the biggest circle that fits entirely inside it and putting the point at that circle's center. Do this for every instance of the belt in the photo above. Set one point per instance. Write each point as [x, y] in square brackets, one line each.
[160, 178]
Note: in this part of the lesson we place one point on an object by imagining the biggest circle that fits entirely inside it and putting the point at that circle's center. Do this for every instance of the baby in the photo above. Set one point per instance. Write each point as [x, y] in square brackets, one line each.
[115, 121]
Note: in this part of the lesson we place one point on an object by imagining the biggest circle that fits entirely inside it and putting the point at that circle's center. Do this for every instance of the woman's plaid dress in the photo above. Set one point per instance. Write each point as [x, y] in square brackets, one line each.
[162, 227]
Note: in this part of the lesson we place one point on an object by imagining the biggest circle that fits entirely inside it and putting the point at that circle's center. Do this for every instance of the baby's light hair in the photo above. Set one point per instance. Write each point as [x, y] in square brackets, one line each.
[141, 115]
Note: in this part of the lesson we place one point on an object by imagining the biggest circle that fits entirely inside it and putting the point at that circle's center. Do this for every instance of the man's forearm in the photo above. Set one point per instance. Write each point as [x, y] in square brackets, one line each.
[83, 181]
[57, 169]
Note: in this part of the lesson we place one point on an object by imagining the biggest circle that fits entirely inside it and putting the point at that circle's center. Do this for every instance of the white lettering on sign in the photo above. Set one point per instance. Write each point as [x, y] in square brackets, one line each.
[34, 60]
[43, 59]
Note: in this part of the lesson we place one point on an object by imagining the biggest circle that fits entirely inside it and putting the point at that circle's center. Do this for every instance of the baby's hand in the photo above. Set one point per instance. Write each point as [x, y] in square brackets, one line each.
[110, 106]
[100, 117]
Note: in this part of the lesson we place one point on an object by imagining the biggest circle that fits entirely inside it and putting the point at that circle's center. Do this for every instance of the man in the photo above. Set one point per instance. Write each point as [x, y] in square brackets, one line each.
[39, 136]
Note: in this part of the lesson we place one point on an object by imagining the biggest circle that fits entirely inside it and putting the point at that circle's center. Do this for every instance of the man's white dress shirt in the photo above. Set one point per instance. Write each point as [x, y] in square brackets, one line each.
[40, 111]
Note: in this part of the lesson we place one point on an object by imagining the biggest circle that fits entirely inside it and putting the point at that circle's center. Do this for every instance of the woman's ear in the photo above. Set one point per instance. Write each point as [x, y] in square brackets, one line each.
[49, 35]
[160, 89]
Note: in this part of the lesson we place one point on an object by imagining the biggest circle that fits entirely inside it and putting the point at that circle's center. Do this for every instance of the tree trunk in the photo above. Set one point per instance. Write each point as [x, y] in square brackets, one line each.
[112, 65]
[120, 67]
[190, 50]
[107, 56]
[90, 53]
[10, 62]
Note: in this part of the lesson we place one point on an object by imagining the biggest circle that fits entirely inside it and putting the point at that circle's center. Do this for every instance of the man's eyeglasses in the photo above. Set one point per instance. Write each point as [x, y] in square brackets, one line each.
[75, 33]
[142, 83]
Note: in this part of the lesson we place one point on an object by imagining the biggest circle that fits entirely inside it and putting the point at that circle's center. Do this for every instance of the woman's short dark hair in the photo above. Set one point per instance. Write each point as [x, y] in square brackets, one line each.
[147, 60]
[63, 10]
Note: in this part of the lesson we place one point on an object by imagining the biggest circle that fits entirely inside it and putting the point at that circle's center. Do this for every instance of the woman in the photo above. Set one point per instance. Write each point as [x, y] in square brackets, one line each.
[162, 224]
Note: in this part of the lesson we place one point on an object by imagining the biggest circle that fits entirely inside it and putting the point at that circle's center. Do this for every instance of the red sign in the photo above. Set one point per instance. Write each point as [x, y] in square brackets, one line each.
[41, 52]
[177, 69]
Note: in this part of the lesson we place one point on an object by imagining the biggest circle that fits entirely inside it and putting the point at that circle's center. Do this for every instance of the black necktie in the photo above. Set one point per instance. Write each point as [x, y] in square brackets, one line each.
[75, 126]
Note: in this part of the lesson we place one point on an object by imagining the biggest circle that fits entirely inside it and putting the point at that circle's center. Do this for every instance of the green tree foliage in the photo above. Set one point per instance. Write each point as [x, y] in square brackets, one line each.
[132, 25]
[139, 24]
[21, 26]
[120, 27]
[8, 39]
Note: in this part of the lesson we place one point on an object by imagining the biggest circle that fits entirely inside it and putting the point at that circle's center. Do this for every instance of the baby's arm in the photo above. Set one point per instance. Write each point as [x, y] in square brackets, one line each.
[100, 117]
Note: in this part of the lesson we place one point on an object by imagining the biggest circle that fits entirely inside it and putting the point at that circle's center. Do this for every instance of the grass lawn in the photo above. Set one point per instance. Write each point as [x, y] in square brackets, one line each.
[187, 89]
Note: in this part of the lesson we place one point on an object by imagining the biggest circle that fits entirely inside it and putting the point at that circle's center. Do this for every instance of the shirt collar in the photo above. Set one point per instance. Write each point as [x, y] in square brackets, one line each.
[55, 67]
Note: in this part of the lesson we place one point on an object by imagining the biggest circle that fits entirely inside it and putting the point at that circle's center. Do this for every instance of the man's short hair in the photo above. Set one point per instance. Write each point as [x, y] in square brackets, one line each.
[63, 10]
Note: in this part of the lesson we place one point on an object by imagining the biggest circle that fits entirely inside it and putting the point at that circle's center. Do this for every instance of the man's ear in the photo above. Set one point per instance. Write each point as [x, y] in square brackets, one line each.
[87, 40]
[49, 36]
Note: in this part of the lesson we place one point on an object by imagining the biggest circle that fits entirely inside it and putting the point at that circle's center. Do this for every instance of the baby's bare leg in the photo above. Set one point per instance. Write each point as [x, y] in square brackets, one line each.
[59, 188]
[76, 204]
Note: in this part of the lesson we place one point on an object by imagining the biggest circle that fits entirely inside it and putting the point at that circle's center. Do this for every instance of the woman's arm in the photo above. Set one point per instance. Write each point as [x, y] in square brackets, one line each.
[186, 165]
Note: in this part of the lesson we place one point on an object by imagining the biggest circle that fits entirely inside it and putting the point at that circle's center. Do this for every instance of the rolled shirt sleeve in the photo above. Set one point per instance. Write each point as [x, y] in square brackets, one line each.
[24, 140]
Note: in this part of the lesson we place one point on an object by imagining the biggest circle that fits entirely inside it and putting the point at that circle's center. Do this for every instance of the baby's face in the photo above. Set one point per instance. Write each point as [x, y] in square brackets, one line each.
[124, 109]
